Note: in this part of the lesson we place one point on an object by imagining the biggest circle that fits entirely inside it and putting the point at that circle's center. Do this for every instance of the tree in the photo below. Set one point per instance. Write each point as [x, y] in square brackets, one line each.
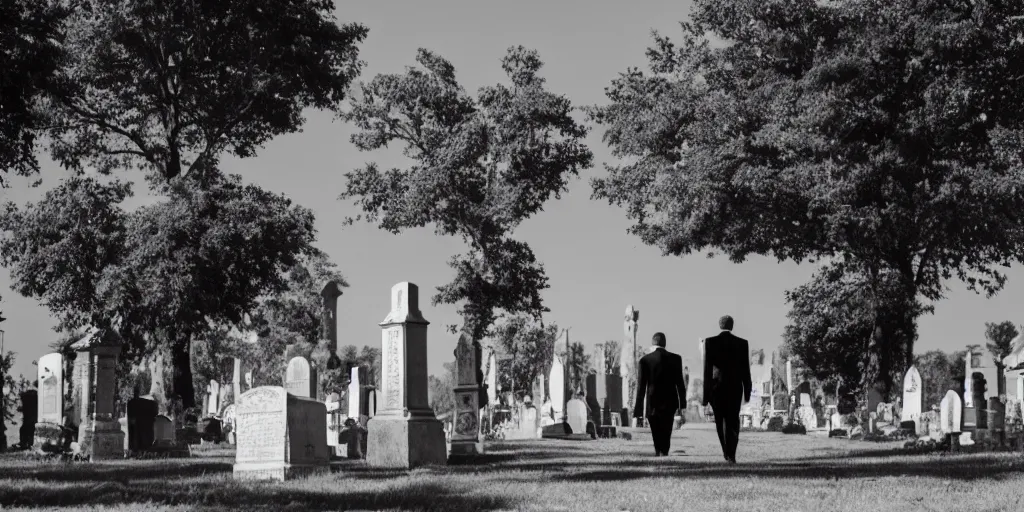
[939, 374]
[578, 364]
[612, 355]
[530, 349]
[169, 87]
[442, 390]
[830, 327]
[30, 37]
[1000, 338]
[481, 166]
[168, 271]
[875, 133]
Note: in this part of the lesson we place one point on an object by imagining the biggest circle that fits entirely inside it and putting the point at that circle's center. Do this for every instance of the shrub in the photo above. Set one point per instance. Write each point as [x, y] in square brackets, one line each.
[794, 428]
[775, 424]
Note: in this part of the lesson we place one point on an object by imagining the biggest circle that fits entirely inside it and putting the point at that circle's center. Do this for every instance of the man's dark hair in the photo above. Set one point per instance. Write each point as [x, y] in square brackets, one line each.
[725, 323]
[659, 339]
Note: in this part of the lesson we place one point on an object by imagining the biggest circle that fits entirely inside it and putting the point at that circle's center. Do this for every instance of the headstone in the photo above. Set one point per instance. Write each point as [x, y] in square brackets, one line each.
[300, 378]
[805, 400]
[576, 415]
[979, 387]
[404, 433]
[29, 413]
[836, 421]
[492, 379]
[99, 435]
[355, 392]
[236, 381]
[163, 431]
[370, 395]
[213, 388]
[950, 413]
[600, 384]
[591, 399]
[556, 382]
[465, 437]
[280, 435]
[230, 427]
[911, 395]
[50, 375]
[627, 357]
[329, 314]
[335, 421]
[874, 398]
[996, 414]
[141, 416]
[885, 412]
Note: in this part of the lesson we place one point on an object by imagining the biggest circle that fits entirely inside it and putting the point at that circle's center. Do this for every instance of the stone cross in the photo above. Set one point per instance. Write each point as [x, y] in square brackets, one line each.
[329, 314]
[404, 433]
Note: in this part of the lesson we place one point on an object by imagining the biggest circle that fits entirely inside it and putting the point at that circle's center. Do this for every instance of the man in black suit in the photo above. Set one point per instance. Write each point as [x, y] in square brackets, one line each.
[660, 381]
[726, 383]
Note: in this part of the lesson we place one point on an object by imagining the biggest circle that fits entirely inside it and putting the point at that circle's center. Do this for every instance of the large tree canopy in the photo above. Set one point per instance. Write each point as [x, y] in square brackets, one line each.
[171, 86]
[887, 133]
[480, 167]
[170, 271]
[30, 39]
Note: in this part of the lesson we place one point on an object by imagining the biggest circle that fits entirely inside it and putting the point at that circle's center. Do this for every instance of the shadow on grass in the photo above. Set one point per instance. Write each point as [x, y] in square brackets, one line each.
[223, 494]
[114, 472]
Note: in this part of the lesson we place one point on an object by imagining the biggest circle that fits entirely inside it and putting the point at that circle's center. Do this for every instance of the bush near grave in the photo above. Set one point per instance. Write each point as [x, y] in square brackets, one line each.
[794, 428]
[775, 424]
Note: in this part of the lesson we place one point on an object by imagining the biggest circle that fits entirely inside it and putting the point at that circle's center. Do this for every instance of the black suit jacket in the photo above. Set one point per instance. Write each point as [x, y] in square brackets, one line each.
[661, 382]
[726, 367]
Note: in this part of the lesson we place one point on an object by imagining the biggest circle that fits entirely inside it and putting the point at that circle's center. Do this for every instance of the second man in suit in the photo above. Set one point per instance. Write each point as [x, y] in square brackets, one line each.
[727, 383]
[660, 382]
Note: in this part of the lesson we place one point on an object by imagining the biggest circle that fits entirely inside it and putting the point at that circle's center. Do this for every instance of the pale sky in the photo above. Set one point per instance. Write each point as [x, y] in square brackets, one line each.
[595, 268]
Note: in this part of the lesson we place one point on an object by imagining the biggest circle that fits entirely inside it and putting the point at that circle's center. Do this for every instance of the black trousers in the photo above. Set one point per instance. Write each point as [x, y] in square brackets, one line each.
[661, 431]
[727, 421]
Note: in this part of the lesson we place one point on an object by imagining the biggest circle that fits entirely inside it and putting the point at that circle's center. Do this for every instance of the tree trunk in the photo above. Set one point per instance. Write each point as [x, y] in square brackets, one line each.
[891, 346]
[181, 361]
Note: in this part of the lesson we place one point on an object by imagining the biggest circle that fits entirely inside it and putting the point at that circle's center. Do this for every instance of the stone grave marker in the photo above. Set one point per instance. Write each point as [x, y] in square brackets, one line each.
[357, 379]
[556, 381]
[141, 416]
[335, 421]
[405, 433]
[950, 413]
[29, 413]
[230, 428]
[50, 374]
[885, 412]
[576, 415]
[615, 405]
[911, 396]
[300, 378]
[600, 384]
[465, 436]
[99, 434]
[213, 402]
[627, 358]
[280, 435]
[163, 431]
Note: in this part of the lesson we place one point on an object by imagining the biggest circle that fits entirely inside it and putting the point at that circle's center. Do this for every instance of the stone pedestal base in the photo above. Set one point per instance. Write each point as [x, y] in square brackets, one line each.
[405, 443]
[101, 440]
[464, 448]
[277, 470]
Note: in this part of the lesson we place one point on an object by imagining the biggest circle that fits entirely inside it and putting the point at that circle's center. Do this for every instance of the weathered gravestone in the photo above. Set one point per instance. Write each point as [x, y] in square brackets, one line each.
[615, 405]
[591, 398]
[29, 413]
[213, 398]
[230, 428]
[404, 433]
[163, 431]
[300, 378]
[335, 422]
[911, 396]
[51, 388]
[465, 436]
[556, 381]
[885, 413]
[356, 405]
[280, 435]
[600, 385]
[951, 413]
[628, 359]
[576, 416]
[99, 434]
[141, 416]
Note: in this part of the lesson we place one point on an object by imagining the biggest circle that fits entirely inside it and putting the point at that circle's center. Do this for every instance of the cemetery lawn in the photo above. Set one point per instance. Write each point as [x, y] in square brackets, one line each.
[776, 472]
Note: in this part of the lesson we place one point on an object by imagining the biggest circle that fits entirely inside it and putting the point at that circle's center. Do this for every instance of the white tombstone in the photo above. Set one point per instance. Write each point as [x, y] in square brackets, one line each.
[354, 394]
[627, 356]
[333, 405]
[300, 378]
[51, 389]
[213, 388]
[228, 422]
[836, 421]
[492, 379]
[280, 435]
[404, 433]
[465, 436]
[950, 413]
[557, 384]
[911, 396]
[576, 415]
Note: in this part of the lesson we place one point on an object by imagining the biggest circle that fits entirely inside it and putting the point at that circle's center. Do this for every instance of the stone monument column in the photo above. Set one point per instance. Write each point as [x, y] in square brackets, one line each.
[404, 433]
[628, 361]
[466, 432]
[100, 435]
